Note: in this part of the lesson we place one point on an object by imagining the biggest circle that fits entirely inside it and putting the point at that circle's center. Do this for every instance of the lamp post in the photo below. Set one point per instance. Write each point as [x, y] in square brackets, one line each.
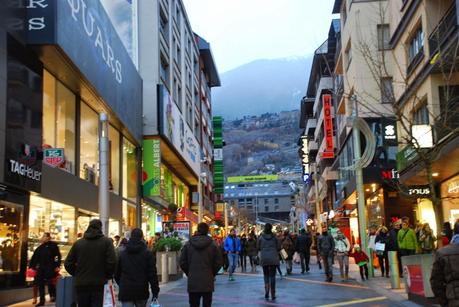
[316, 190]
[104, 208]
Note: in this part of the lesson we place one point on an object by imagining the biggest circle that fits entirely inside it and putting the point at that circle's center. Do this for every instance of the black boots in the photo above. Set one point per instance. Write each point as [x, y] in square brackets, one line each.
[266, 291]
[273, 291]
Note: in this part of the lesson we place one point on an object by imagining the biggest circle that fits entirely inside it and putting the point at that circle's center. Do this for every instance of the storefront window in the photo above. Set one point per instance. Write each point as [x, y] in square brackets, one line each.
[59, 119]
[129, 170]
[450, 200]
[10, 232]
[375, 208]
[89, 140]
[114, 137]
[425, 213]
[128, 216]
[173, 190]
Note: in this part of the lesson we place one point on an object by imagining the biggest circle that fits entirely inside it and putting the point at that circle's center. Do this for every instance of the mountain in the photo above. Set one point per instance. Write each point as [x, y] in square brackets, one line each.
[262, 86]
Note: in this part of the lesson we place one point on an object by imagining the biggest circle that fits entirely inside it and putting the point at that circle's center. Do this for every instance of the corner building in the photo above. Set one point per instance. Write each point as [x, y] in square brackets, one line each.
[61, 64]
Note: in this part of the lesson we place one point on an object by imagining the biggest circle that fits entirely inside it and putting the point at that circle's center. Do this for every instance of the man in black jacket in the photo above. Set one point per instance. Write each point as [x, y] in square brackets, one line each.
[303, 247]
[92, 261]
[136, 271]
[201, 260]
[326, 249]
[46, 261]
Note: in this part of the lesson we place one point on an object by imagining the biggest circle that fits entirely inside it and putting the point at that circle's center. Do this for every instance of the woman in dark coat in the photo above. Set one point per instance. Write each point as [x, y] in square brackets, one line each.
[383, 238]
[136, 271]
[269, 248]
[251, 248]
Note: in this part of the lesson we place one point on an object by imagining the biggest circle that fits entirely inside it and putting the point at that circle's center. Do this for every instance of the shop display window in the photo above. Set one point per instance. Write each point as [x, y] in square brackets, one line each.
[89, 142]
[84, 217]
[10, 233]
[114, 137]
[59, 119]
[450, 200]
[128, 216]
[129, 170]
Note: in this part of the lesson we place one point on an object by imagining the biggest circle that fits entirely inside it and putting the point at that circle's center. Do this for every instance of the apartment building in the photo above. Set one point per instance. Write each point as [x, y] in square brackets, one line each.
[423, 35]
[178, 72]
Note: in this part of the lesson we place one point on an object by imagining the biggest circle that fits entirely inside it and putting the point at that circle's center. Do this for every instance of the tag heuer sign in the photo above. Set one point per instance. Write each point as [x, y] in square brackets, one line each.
[53, 156]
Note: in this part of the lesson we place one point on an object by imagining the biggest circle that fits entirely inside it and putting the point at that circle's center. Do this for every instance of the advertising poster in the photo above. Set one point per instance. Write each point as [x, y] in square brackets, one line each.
[182, 229]
[414, 279]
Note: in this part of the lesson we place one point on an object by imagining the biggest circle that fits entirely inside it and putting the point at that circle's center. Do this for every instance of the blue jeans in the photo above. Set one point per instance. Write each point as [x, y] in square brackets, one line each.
[232, 260]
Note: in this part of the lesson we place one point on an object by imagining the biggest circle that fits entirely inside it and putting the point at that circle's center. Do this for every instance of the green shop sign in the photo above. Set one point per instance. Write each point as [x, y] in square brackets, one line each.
[405, 157]
[151, 168]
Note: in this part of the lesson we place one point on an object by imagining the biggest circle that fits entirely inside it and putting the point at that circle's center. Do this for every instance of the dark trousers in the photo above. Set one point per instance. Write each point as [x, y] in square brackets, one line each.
[279, 270]
[269, 275]
[328, 266]
[90, 296]
[384, 264]
[361, 269]
[252, 261]
[305, 258]
[243, 261]
[195, 299]
[41, 281]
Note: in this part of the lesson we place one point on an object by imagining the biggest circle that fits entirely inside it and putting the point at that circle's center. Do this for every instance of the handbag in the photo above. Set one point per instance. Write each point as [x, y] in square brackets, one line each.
[296, 257]
[375, 261]
[109, 295]
[30, 274]
[283, 254]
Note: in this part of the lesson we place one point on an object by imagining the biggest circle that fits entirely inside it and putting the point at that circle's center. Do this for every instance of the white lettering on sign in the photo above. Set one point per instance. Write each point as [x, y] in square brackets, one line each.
[24, 170]
[93, 31]
[389, 132]
[37, 23]
[453, 187]
[419, 191]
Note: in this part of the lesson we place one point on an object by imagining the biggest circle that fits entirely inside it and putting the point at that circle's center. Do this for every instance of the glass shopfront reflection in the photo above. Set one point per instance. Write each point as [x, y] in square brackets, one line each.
[10, 233]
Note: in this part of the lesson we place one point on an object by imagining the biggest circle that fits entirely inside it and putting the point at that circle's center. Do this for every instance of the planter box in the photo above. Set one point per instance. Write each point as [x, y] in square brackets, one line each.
[173, 267]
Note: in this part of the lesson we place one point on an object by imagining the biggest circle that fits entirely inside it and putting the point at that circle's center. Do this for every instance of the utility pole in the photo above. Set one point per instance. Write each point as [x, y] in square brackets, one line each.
[316, 189]
[226, 218]
[359, 185]
[104, 206]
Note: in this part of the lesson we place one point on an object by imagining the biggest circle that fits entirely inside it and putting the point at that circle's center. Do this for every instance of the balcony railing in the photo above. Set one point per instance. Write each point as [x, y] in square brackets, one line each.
[443, 31]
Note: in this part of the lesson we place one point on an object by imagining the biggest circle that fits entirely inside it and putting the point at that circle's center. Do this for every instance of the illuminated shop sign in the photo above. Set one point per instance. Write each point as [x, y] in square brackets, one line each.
[24, 170]
[453, 187]
[390, 174]
[419, 191]
[328, 128]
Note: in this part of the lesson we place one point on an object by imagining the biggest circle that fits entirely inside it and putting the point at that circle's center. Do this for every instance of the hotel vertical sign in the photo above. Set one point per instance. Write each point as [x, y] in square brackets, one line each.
[328, 128]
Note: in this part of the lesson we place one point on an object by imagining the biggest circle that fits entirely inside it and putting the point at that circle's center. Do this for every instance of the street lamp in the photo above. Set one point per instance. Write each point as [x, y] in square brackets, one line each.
[104, 208]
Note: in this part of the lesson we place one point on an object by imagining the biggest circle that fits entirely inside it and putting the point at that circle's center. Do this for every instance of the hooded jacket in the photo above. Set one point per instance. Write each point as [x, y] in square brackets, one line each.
[201, 260]
[46, 259]
[136, 270]
[445, 274]
[92, 259]
[269, 247]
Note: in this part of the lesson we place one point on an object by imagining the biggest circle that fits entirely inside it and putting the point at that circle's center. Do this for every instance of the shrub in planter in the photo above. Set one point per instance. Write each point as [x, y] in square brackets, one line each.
[173, 243]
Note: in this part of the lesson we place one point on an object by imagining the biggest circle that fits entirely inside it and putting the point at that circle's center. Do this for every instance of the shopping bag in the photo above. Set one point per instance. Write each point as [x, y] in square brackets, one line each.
[283, 254]
[380, 248]
[221, 271]
[155, 303]
[296, 258]
[375, 261]
[109, 295]
[30, 274]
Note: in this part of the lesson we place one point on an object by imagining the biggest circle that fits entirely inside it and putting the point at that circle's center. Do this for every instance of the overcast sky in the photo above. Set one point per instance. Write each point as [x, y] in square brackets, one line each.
[241, 31]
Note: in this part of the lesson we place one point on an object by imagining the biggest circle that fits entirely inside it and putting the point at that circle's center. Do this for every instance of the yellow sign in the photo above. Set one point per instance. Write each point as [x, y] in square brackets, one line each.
[258, 178]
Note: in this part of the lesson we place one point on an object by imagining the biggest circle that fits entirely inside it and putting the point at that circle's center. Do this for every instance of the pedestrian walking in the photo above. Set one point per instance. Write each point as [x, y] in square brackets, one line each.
[289, 247]
[406, 239]
[46, 261]
[92, 262]
[361, 259]
[316, 248]
[342, 247]
[392, 243]
[303, 247]
[382, 242]
[136, 272]
[252, 252]
[201, 260]
[269, 247]
[243, 253]
[232, 248]
[445, 273]
[427, 239]
[326, 249]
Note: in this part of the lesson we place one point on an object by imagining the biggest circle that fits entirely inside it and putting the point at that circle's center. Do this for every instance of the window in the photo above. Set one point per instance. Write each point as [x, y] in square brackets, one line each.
[266, 201]
[164, 71]
[241, 200]
[276, 200]
[249, 207]
[174, 91]
[189, 113]
[348, 54]
[383, 37]
[179, 96]
[276, 208]
[10, 236]
[179, 55]
[114, 138]
[164, 25]
[266, 209]
[421, 115]
[89, 140]
[387, 91]
[129, 170]
[59, 119]
[416, 44]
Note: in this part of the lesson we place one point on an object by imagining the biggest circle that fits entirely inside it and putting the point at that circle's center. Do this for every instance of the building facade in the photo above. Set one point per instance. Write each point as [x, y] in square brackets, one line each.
[59, 72]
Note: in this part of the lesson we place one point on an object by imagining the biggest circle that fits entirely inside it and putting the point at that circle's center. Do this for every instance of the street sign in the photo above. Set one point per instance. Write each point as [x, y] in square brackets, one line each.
[54, 157]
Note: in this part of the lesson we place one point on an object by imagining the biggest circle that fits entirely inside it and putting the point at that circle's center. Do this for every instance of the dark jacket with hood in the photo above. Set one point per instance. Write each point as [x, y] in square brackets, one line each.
[269, 247]
[303, 243]
[136, 270]
[46, 259]
[445, 274]
[201, 260]
[251, 247]
[92, 259]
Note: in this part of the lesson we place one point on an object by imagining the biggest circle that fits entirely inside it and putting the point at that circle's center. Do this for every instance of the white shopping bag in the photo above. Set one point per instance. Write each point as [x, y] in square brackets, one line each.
[296, 258]
[109, 295]
[155, 303]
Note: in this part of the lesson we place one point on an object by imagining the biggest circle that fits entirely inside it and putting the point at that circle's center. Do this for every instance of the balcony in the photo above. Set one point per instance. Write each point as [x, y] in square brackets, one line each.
[443, 32]
[311, 125]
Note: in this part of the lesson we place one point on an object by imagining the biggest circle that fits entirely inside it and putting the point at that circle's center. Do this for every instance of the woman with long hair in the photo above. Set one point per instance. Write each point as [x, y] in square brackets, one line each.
[269, 248]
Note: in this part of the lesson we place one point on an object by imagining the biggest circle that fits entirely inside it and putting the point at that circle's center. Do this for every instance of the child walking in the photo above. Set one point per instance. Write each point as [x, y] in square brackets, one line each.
[361, 259]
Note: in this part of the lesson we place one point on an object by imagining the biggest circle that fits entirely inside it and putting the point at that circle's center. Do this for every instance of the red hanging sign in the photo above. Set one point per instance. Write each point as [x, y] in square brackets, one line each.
[328, 128]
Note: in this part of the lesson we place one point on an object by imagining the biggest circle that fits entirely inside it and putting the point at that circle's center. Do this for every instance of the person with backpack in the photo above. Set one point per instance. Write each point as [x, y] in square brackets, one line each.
[303, 247]
[342, 247]
[326, 249]
[136, 272]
